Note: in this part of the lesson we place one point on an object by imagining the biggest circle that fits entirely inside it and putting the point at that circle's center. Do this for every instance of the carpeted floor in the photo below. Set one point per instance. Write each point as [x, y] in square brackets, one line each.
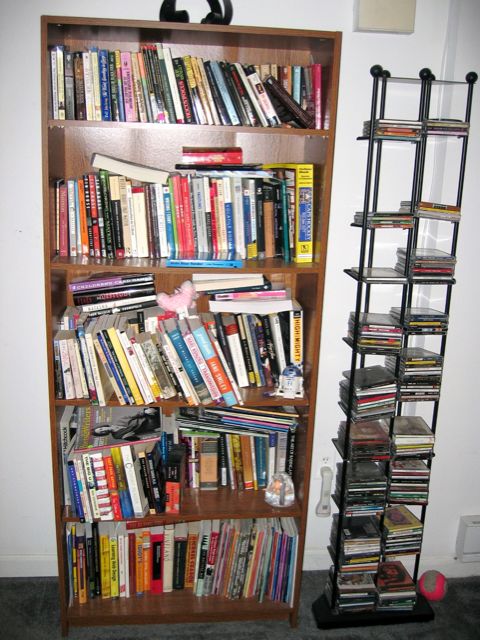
[29, 611]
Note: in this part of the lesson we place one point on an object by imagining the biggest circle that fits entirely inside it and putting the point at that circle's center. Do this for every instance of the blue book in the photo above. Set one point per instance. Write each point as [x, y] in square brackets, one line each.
[75, 491]
[196, 263]
[167, 204]
[104, 72]
[261, 460]
[188, 362]
[223, 89]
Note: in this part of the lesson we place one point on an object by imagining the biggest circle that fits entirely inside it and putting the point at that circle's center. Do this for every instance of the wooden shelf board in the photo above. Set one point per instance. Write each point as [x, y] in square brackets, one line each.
[222, 503]
[130, 265]
[177, 606]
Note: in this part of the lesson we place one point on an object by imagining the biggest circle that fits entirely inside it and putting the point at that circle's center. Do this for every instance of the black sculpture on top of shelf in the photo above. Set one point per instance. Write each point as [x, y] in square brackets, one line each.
[169, 13]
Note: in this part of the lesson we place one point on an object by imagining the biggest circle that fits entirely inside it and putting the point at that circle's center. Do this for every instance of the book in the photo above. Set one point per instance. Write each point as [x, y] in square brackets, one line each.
[206, 262]
[129, 169]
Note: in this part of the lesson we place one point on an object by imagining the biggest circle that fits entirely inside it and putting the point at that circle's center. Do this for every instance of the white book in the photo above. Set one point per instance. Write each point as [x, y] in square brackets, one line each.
[68, 384]
[101, 485]
[91, 486]
[162, 226]
[132, 170]
[97, 105]
[186, 385]
[233, 339]
[88, 85]
[131, 220]
[145, 366]
[121, 562]
[167, 56]
[122, 185]
[252, 95]
[278, 341]
[263, 99]
[137, 371]
[255, 306]
[83, 488]
[90, 330]
[203, 544]
[81, 368]
[227, 369]
[140, 217]
[168, 557]
[198, 197]
[238, 221]
[74, 364]
[54, 83]
[134, 481]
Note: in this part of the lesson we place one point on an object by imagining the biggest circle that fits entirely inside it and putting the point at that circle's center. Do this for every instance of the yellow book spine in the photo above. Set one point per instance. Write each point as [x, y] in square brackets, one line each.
[105, 565]
[304, 213]
[122, 358]
[139, 563]
[147, 560]
[114, 588]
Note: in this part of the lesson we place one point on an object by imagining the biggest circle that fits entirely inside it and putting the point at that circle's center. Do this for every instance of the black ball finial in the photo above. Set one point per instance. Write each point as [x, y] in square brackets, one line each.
[376, 71]
[471, 77]
[425, 74]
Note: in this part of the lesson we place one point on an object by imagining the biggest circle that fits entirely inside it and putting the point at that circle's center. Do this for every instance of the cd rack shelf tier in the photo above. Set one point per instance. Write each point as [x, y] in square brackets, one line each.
[422, 134]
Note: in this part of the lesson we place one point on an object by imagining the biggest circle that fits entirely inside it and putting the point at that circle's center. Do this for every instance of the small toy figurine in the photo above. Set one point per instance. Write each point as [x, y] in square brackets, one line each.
[290, 383]
[280, 491]
[181, 300]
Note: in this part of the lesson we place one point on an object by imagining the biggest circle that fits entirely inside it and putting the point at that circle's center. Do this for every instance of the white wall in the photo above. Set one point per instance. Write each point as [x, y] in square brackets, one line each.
[27, 545]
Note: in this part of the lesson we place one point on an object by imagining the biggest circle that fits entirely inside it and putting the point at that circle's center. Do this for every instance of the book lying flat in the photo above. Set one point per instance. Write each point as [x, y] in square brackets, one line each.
[129, 169]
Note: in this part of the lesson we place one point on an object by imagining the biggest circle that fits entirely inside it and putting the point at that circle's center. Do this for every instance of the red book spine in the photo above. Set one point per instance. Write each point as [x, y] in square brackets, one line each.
[213, 207]
[132, 561]
[112, 487]
[172, 491]
[187, 214]
[179, 214]
[94, 215]
[63, 221]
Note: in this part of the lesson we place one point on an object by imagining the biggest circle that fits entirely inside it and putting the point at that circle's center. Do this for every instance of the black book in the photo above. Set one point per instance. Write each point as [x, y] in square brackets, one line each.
[112, 76]
[88, 210]
[69, 86]
[245, 350]
[154, 78]
[248, 106]
[270, 345]
[222, 340]
[101, 216]
[107, 212]
[217, 97]
[291, 110]
[96, 557]
[156, 471]
[235, 96]
[180, 554]
[185, 99]
[80, 104]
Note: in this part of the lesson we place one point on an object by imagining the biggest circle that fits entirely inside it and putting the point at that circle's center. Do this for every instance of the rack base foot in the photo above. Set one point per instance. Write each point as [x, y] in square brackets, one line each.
[326, 619]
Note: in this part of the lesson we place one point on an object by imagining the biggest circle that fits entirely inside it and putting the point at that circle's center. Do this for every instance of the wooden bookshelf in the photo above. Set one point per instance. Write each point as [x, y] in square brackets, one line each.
[67, 150]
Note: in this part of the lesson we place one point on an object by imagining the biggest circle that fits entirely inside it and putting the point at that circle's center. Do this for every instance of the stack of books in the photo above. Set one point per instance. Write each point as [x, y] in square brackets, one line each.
[396, 589]
[356, 592]
[374, 393]
[369, 440]
[409, 481]
[155, 85]
[248, 558]
[360, 544]
[412, 437]
[365, 488]
[402, 532]
[376, 333]
[426, 264]
[422, 320]
[389, 128]
[420, 374]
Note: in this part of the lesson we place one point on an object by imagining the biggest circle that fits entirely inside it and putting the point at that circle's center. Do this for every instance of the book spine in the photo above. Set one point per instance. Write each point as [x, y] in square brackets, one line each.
[200, 362]
[135, 488]
[177, 102]
[105, 98]
[127, 87]
[224, 92]
[185, 99]
[262, 96]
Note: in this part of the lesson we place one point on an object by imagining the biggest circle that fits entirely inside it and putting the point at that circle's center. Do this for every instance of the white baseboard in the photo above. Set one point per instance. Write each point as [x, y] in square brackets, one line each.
[319, 560]
[28, 566]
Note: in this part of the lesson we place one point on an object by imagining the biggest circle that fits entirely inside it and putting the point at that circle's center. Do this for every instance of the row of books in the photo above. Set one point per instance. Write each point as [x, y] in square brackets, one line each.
[146, 356]
[249, 558]
[370, 439]
[152, 85]
[261, 213]
[393, 589]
